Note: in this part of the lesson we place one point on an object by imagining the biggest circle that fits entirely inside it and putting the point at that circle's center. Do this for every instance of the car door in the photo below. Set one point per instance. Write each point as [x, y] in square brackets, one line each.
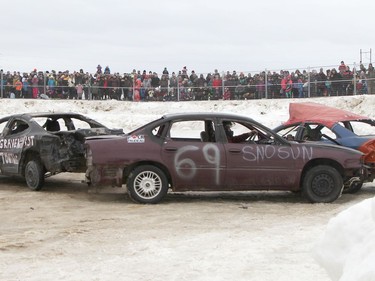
[13, 139]
[194, 163]
[260, 163]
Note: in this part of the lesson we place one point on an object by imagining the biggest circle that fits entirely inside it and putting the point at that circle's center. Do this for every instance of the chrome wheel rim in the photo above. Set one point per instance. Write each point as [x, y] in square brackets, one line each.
[147, 184]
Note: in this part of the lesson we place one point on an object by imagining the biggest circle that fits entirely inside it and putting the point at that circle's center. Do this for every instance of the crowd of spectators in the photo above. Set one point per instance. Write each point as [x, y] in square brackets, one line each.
[187, 85]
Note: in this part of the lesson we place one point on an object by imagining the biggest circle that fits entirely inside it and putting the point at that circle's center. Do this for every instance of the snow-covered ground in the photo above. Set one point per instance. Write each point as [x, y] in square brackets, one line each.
[346, 250]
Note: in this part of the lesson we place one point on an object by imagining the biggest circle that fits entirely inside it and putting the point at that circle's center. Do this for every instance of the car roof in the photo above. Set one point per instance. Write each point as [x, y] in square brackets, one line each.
[47, 114]
[317, 113]
[205, 114]
[53, 115]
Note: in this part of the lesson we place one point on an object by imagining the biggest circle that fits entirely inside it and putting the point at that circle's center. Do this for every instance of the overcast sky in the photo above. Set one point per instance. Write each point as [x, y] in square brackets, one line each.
[203, 35]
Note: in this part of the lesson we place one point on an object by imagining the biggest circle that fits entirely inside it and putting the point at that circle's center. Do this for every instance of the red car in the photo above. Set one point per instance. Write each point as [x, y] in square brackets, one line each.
[310, 121]
[199, 152]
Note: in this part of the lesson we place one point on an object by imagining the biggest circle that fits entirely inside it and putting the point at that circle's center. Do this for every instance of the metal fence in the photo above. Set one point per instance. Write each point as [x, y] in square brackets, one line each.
[265, 84]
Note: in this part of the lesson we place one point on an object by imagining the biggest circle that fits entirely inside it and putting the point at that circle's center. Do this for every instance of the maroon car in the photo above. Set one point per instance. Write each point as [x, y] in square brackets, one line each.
[217, 152]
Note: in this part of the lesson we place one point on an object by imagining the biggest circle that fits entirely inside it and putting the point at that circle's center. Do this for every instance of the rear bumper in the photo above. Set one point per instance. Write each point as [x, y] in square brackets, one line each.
[104, 176]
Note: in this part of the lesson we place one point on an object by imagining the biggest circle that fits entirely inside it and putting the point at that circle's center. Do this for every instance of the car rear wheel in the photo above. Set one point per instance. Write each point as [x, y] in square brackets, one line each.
[147, 184]
[322, 184]
[34, 175]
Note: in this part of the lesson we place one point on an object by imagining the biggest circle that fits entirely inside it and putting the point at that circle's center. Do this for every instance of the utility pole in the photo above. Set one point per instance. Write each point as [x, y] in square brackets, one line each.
[367, 52]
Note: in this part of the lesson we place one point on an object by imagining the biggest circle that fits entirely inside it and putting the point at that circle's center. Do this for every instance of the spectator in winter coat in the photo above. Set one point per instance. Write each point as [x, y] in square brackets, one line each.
[283, 86]
[216, 87]
[51, 83]
[25, 88]
[370, 79]
[79, 89]
[227, 94]
[336, 84]
[18, 88]
[163, 87]
[342, 67]
[35, 83]
[288, 87]
[321, 78]
[155, 80]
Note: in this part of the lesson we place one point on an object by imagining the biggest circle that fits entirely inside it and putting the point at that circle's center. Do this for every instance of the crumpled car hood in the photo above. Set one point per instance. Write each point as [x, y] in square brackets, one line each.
[318, 113]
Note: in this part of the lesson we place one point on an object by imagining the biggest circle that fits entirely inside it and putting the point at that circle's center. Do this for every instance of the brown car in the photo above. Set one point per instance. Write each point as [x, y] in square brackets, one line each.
[217, 152]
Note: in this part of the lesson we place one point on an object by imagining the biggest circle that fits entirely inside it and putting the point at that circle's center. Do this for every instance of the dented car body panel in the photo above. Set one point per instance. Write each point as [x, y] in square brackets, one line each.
[174, 144]
[310, 121]
[56, 140]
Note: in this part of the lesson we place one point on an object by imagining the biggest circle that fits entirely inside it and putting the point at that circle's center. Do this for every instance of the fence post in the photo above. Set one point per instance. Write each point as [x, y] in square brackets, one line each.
[89, 95]
[354, 79]
[1, 83]
[44, 83]
[266, 83]
[222, 85]
[308, 82]
[134, 86]
[178, 90]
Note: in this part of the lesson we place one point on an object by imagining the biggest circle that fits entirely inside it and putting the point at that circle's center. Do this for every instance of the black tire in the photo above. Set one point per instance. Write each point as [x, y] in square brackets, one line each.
[353, 188]
[147, 184]
[34, 175]
[322, 184]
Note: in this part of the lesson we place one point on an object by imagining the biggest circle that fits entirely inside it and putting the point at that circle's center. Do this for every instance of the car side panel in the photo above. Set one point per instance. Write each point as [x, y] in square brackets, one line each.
[195, 165]
[11, 148]
[259, 166]
[111, 156]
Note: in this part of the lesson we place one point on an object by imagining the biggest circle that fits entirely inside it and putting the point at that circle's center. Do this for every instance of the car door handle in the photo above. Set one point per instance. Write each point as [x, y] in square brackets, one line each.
[235, 150]
[171, 148]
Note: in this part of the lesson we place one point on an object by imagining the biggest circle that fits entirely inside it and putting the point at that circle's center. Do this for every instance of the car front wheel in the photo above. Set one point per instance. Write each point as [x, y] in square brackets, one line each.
[34, 175]
[322, 184]
[147, 184]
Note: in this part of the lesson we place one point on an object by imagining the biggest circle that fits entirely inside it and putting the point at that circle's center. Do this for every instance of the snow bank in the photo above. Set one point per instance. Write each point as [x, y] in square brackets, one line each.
[347, 249]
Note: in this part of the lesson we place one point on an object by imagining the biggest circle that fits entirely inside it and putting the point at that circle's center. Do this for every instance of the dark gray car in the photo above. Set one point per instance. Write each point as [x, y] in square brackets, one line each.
[38, 145]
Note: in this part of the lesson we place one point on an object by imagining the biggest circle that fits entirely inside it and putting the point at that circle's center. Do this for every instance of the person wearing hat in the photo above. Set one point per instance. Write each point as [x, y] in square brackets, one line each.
[227, 125]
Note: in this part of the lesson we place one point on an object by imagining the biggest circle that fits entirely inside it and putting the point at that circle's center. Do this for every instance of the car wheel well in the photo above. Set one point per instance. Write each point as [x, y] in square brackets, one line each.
[322, 161]
[28, 155]
[130, 168]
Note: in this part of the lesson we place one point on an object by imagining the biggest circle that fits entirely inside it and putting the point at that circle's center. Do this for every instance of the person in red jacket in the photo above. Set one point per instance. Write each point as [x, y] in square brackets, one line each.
[216, 87]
